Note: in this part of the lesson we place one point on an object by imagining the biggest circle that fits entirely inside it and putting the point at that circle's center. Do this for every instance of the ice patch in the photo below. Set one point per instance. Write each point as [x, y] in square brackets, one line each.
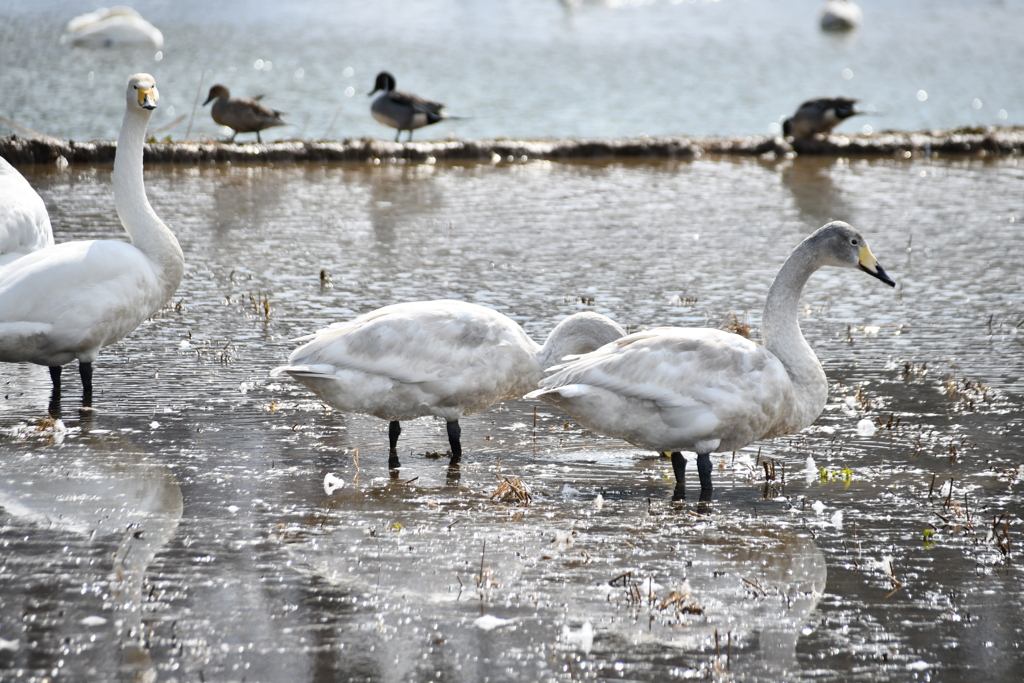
[583, 639]
[569, 492]
[866, 428]
[489, 622]
[332, 483]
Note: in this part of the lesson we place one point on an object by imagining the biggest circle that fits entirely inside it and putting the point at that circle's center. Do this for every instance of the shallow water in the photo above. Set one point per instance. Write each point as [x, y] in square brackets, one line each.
[181, 527]
[527, 69]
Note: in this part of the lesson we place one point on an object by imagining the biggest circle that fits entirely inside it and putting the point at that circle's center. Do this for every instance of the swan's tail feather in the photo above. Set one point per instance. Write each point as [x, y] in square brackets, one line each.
[304, 370]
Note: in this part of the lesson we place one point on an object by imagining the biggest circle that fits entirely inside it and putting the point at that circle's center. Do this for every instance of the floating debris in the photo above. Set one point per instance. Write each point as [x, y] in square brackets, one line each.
[512, 490]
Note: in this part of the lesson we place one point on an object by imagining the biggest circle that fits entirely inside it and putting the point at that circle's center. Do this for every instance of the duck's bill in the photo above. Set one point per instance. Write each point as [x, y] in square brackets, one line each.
[879, 272]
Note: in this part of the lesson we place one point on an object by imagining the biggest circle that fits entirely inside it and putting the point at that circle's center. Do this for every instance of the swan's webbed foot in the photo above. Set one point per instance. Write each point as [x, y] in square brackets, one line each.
[85, 372]
[704, 471]
[454, 440]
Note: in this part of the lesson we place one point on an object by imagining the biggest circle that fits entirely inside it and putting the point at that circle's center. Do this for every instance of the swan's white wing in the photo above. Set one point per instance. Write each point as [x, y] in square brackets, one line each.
[437, 357]
[24, 222]
[673, 389]
[70, 300]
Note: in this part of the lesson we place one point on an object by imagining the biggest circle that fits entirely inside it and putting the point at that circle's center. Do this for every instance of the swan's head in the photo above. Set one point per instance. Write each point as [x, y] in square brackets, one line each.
[217, 92]
[840, 244]
[385, 82]
[142, 94]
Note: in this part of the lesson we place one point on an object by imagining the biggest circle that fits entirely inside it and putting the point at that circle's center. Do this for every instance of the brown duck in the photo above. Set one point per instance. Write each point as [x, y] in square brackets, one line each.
[242, 114]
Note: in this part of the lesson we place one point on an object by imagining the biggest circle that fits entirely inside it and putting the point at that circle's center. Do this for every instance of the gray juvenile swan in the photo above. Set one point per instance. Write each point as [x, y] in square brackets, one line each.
[403, 110]
[242, 114]
[69, 300]
[705, 390]
[444, 358]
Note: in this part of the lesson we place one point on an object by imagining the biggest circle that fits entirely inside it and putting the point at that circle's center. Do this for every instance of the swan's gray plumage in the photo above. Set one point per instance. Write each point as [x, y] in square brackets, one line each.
[443, 358]
[705, 390]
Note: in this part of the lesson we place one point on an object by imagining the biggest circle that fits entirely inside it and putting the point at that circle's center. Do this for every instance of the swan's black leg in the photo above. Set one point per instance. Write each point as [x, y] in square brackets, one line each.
[704, 471]
[232, 138]
[54, 407]
[258, 138]
[394, 431]
[85, 372]
[55, 371]
[679, 467]
[454, 432]
[399, 135]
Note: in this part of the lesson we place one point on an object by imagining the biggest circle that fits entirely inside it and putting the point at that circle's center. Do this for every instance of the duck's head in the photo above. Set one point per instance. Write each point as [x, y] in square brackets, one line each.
[217, 92]
[142, 94]
[844, 107]
[385, 82]
[842, 245]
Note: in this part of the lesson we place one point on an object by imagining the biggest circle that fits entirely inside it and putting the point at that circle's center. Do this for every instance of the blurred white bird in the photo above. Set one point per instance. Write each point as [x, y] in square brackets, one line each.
[24, 222]
[110, 26]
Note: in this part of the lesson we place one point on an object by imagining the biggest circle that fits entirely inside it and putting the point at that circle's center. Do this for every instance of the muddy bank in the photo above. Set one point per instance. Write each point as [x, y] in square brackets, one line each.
[992, 141]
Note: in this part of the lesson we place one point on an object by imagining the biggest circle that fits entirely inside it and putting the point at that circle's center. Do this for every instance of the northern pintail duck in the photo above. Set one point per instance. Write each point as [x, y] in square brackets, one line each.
[242, 114]
[818, 116]
[403, 110]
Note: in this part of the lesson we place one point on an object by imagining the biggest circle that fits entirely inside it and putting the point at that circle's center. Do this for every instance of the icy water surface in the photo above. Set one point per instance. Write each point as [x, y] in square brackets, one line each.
[525, 68]
[181, 528]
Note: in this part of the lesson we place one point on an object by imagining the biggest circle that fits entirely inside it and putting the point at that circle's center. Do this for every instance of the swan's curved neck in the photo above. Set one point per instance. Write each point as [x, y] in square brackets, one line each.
[147, 232]
[579, 333]
[780, 327]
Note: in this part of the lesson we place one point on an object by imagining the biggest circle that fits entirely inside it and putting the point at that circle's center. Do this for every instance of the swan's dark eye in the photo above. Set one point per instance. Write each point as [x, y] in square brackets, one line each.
[854, 241]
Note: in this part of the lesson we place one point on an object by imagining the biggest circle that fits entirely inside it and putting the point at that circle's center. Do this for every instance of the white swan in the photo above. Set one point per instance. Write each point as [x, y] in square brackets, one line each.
[704, 390]
[108, 26]
[24, 223]
[444, 358]
[840, 15]
[70, 300]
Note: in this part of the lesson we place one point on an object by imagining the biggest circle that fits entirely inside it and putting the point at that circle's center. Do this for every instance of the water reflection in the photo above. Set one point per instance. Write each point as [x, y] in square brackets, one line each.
[817, 199]
[383, 579]
[103, 493]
